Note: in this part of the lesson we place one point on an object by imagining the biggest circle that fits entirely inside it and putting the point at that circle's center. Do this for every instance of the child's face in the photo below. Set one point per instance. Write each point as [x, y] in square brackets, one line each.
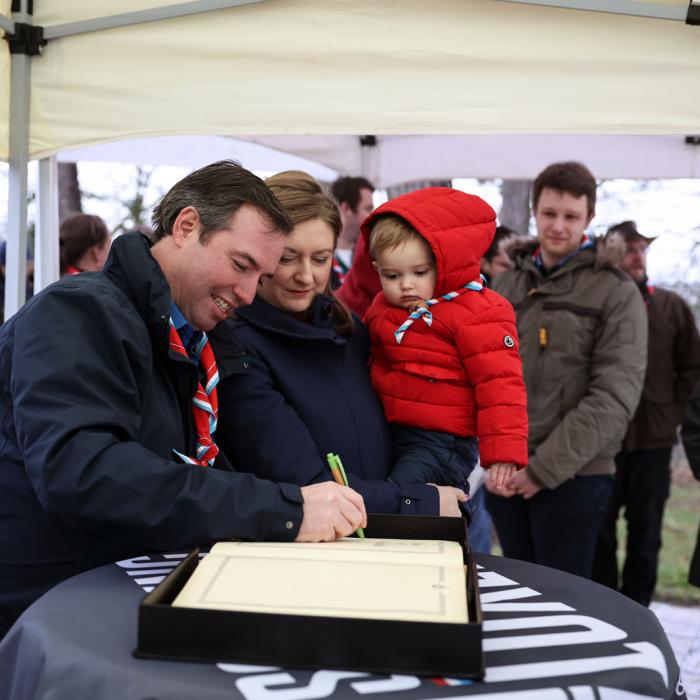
[407, 273]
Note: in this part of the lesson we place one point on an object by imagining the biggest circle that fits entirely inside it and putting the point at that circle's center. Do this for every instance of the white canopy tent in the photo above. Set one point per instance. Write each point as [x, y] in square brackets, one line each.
[392, 160]
[329, 67]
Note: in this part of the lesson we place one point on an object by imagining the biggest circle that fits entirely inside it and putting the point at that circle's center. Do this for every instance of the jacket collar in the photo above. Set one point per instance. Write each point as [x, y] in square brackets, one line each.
[133, 269]
[559, 281]
[584, 258]
[272, 320]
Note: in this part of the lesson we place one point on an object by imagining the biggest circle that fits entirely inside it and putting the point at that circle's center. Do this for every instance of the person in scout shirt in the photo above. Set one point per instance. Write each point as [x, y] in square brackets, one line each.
[444, 355]
[354, 197]
[110, 408]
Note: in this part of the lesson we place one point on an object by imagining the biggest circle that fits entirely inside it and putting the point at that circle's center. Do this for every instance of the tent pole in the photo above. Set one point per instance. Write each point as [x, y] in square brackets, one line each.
[6, 24]
[654, 10]
[141, 16]
[46, 258]
[16, 251]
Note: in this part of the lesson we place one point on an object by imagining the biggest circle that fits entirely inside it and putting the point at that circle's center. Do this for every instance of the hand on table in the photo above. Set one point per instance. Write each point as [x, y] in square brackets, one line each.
[331, 511]
[450, 498]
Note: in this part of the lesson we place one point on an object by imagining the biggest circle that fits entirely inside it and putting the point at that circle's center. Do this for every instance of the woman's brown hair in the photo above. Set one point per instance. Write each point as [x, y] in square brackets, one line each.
[303, 200]
[79, 233]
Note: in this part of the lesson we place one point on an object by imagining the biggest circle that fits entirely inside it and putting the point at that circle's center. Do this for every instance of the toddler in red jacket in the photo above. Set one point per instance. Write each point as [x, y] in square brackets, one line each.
[444, 349]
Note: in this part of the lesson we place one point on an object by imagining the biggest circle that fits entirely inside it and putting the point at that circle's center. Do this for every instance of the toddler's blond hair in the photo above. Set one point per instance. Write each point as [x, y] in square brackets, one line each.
[390, 231]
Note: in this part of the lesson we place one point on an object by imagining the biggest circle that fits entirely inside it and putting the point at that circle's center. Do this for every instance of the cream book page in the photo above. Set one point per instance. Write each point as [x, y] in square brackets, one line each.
[416, 580]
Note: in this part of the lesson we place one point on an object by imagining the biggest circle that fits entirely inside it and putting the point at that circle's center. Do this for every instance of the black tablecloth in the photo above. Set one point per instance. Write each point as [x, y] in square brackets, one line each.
[547, 636]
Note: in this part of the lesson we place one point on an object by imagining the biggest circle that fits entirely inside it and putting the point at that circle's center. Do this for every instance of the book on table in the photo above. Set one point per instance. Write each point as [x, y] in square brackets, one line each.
[403, 600]
[374, 578]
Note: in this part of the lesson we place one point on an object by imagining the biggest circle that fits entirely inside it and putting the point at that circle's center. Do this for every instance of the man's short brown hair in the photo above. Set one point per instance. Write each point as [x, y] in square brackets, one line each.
[217, 191]
[569, 176]
[349, 190]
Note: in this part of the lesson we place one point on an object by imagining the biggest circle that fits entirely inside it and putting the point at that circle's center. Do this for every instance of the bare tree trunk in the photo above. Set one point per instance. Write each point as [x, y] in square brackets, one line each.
[515, 210]
[68, 190]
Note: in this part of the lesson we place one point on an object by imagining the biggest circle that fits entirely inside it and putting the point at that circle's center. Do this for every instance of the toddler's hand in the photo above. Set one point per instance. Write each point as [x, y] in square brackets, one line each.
[499, 473]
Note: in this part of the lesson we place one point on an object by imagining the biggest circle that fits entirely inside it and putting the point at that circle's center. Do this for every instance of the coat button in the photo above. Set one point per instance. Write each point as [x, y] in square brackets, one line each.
[245, 365]
[408, 501]
[289, 524]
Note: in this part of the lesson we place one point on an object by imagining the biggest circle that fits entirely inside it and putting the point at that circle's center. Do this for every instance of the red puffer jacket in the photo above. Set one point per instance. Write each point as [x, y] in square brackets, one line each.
[462, 374]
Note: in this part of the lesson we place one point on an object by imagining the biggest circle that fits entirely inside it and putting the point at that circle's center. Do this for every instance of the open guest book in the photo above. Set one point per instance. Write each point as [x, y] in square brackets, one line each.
[403, 600]
[374, 578]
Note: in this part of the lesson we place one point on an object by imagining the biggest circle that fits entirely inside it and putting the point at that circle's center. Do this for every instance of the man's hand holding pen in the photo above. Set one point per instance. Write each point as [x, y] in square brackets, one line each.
[331, 511]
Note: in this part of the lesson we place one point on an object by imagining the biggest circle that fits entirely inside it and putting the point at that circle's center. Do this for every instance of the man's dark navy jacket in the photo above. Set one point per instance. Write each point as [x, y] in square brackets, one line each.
[92, 404]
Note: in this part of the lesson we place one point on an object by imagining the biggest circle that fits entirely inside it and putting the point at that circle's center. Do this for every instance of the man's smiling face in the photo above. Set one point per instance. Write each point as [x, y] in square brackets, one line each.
[218, 276]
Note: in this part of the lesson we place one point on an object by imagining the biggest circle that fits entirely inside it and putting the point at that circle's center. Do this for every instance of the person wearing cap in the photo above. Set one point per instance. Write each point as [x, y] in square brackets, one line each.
[643, 476]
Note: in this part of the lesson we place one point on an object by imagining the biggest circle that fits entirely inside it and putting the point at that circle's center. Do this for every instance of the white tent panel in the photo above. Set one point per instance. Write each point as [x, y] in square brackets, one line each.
[196, 151]
[397, 159]
[406, 158]
[358, 66]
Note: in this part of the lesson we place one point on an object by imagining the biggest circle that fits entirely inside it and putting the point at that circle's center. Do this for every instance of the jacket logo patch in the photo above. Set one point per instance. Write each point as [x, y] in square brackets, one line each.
[508, 341]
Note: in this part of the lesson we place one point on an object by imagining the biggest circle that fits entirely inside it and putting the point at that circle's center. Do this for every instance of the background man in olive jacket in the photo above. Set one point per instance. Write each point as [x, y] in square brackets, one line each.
[583, 334]
[643, 476]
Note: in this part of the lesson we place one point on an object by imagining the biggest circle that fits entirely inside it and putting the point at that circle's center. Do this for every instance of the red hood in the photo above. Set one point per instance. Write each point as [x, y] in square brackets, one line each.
[459, 228]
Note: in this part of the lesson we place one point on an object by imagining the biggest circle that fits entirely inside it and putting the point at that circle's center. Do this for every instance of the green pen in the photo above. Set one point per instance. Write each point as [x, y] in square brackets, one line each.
[340, 477]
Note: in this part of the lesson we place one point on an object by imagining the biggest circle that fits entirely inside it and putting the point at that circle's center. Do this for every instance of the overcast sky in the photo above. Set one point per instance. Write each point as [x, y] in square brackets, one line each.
[668, 209]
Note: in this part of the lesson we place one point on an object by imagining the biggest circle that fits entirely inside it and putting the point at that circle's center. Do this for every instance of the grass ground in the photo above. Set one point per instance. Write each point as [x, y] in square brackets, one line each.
[679, 534]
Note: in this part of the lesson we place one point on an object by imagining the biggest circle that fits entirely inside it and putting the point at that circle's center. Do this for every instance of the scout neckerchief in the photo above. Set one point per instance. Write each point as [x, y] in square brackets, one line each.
[205, 402]
[340, 269]
[72, 270]
[421, 309]
[586, 243]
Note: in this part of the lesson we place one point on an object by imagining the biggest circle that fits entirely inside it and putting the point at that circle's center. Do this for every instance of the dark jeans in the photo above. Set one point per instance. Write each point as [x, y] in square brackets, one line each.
[642, 484]
[480, 526]
[428, 456]
[557, 527]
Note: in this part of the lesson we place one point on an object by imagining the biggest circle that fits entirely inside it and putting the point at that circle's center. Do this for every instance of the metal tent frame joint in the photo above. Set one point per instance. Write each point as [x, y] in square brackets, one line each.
[27, 39]
[693, 16]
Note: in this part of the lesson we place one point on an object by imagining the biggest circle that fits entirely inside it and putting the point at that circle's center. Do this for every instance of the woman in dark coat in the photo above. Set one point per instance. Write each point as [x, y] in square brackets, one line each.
[293, 372]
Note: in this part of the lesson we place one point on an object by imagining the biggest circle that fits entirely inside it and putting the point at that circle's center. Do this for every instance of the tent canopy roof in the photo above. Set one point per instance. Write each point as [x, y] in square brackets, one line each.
[330, 67]
[397, 159]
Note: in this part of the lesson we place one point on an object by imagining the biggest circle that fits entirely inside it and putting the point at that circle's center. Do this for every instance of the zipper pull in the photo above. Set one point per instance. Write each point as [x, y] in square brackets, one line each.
[543, 337]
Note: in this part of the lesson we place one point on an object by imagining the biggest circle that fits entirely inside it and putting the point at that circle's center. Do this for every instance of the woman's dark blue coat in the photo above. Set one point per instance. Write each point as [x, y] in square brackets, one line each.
[290, 392]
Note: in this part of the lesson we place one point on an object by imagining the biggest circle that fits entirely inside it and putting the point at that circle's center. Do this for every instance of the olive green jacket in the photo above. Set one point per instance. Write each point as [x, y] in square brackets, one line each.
[583, 343]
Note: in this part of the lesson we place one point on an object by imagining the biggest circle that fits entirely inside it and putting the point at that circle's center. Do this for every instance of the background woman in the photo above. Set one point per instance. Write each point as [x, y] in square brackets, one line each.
[84, 241]
[294, 381]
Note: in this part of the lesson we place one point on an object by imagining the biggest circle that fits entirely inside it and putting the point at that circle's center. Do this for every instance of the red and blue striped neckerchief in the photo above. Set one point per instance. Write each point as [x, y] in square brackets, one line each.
[421, 309]
[205, 402]
[586, 243]
[340, 269]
